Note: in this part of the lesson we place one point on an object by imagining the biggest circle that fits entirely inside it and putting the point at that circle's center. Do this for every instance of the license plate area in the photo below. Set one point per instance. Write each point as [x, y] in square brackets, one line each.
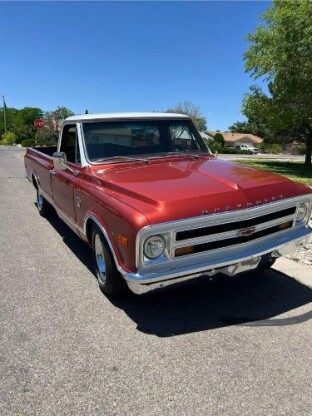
[243, 266]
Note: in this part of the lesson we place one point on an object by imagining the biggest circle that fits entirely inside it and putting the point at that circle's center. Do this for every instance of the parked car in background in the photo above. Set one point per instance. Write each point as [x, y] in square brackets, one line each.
[252, 149]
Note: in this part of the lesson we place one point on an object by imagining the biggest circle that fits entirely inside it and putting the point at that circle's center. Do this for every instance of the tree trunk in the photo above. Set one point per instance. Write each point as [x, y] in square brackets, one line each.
[308, 149]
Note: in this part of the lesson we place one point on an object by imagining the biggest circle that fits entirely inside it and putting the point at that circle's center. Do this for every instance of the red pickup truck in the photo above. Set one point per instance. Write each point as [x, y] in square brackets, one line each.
[157, 207]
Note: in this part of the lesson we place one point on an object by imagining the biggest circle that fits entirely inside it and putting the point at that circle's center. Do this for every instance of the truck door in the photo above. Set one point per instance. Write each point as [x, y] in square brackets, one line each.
[63, 181]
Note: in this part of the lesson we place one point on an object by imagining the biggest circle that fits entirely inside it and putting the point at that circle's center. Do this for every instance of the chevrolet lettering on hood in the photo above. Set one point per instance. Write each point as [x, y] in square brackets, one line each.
[157, 208]
[238, 206]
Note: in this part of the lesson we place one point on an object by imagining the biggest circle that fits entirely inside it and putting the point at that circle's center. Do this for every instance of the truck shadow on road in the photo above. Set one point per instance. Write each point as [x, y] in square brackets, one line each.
[252, 299]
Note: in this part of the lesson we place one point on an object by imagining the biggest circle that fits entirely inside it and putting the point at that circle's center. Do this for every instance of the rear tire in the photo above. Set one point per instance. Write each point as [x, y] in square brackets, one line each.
[44, 208]
[110, 280]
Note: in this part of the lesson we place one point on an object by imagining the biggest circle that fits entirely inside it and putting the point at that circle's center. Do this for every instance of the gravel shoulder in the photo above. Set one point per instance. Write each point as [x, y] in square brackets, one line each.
[304, 255]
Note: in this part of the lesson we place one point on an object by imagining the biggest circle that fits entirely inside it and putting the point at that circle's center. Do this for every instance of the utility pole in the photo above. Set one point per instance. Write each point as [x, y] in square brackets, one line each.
[4, 116]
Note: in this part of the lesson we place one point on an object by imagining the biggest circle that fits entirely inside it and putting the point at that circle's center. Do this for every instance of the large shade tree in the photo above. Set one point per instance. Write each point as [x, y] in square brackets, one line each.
[281, 55]
[192, 111]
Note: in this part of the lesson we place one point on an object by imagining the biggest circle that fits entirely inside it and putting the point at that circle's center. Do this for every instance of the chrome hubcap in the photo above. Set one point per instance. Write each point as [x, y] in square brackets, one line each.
[100, 258]
[39, 199]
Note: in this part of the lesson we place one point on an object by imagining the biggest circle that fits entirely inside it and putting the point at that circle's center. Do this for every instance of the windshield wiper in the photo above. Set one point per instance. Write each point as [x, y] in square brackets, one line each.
[178, 153]
[123, 158]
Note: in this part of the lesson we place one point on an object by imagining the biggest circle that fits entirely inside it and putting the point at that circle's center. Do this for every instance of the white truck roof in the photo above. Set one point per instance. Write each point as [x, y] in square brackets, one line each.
[118, 116]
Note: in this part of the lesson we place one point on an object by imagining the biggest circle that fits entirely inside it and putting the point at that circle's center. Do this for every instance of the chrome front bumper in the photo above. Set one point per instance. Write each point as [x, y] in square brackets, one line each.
[248, 259]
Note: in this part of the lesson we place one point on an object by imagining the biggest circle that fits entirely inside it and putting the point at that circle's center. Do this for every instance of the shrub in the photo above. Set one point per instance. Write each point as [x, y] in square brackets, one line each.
[218, 138]
[8, 138]
[28, 142]
[274, 148]
[46, 143]
[215, 147]
[235, 151]
[262, 147]
[300, 149]
[43, 136]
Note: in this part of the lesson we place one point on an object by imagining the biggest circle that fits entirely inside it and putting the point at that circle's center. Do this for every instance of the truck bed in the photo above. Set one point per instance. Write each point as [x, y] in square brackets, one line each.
[48, 150]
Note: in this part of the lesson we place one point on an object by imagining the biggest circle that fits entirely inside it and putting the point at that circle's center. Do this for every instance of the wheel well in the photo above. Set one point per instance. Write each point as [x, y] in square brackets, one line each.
[34, 181]
[89, 226]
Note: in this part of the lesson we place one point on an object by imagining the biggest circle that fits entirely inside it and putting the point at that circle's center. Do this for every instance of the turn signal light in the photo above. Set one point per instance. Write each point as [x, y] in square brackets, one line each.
[182, 251]
[285, 225]
[123, 241]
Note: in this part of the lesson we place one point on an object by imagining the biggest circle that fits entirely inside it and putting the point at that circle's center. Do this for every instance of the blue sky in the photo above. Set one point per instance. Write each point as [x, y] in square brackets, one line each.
[127, 56]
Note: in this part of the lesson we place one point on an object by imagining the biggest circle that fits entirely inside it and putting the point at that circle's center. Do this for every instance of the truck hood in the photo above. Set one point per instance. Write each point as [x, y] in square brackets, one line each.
[176, 188]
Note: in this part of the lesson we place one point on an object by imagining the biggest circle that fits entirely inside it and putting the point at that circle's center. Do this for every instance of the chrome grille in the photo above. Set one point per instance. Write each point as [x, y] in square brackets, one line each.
[227, 234]
[232, 226]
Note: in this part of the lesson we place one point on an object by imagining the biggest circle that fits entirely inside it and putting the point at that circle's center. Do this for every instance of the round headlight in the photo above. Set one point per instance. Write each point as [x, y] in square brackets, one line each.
[302, 211]
[154, 247]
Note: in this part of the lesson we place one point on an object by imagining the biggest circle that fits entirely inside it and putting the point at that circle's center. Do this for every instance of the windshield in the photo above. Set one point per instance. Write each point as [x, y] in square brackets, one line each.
[134, 138]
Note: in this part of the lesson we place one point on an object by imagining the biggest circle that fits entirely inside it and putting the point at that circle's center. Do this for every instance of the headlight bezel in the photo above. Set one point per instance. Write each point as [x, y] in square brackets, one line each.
[302, 213]
[147, 250]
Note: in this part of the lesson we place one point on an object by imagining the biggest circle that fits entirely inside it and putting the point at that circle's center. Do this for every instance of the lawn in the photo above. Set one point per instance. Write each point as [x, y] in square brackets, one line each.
[293, 170]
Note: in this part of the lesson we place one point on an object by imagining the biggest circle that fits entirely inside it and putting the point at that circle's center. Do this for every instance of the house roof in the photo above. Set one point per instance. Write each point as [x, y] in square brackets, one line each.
[206, 136]
[238, 137]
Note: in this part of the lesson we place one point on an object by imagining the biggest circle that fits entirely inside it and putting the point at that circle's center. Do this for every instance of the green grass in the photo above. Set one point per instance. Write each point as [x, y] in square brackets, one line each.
[295, 171]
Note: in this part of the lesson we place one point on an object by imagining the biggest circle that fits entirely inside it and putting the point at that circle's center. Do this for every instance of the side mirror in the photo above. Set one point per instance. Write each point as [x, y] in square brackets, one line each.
[59, 161]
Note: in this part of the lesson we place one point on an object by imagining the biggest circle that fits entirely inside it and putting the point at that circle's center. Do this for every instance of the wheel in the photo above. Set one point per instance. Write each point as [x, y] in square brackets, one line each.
[110, 281]
[43, 205]
[265, 264]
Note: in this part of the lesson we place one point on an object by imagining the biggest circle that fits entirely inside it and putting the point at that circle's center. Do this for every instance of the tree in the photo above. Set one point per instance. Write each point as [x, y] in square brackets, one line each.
[218, 138]
[61, 113]
[192, 111]
[20, 122]
[280, 53]
[254, 125]
[240, 127]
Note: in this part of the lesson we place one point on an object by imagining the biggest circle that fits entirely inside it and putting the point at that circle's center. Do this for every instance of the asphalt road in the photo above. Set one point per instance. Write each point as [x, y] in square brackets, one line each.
[234, 346]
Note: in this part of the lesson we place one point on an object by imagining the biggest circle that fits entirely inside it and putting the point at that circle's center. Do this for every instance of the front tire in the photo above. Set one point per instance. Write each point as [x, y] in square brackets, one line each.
[110, 281]
[265, 265]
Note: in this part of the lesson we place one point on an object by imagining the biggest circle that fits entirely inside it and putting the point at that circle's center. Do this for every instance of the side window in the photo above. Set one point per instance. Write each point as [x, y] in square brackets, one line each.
[69, 144]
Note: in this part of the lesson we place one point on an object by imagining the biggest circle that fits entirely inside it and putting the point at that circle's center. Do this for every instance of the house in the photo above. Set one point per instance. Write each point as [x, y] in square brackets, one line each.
[206, 136]
[237, 139]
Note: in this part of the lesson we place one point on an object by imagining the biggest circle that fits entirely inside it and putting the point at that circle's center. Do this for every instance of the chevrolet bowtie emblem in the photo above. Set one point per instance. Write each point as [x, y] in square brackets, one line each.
[247, 232]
